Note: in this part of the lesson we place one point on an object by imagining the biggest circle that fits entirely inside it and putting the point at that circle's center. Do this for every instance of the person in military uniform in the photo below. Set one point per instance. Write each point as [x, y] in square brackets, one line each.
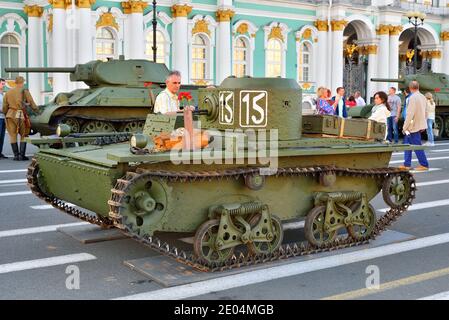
[15, 102]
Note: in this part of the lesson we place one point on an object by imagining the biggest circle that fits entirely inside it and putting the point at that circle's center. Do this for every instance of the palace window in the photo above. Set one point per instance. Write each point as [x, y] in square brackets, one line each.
[304, 62]
[200, 58]
[160, 44]
[241, 58]
[9, 51]
[106, 44]
[274, 58]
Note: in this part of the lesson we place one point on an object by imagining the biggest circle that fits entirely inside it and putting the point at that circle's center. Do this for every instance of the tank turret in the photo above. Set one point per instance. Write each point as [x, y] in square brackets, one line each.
[438, 85]
[109, 73]
[120, 95]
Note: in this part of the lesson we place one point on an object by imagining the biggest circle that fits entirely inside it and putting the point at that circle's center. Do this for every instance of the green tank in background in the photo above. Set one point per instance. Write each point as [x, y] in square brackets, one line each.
[263, 165]
[118, 98]
[435, 83]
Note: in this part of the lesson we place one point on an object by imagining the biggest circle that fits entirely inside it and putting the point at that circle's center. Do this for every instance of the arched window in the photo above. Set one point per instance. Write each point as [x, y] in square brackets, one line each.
[160, 44]
[241, 56]
[9, 51]
[274, 58]
[106, 47]
[304, 62]
[200, 58]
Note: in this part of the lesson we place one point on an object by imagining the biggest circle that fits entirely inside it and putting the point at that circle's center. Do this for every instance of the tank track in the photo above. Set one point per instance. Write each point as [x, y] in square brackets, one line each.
[285, 251]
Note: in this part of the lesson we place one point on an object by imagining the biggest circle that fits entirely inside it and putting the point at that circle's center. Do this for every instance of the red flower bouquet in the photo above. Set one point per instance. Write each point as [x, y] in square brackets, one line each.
[184, 99]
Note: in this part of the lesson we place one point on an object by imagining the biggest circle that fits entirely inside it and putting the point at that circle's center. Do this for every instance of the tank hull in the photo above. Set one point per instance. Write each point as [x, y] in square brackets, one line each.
[89, 186]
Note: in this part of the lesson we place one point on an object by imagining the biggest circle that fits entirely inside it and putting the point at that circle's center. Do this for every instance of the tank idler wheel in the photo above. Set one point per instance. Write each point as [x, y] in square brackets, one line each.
[359, 230]
[98, 127]
[205, 244]
[396, 190]
[74, 124]
[133, 126]
[439, 124]
[262, 247]
[314, 227]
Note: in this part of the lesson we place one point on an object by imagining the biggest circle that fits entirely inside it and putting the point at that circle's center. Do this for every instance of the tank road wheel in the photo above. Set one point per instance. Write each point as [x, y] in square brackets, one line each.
[74, 124]
[98, 127]
[396, 190]
[204, 244]
[261, 247]
[446, 126]
[144, 205]
[439, 124]
[363, 223]
[133, 126]
[314, 229]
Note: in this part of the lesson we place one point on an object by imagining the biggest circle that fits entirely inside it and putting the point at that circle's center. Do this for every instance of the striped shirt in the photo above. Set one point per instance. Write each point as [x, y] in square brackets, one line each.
[166, 102]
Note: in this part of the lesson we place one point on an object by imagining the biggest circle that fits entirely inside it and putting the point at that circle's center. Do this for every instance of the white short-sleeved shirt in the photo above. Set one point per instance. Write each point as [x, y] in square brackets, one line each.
[166, 102]
[360, 101]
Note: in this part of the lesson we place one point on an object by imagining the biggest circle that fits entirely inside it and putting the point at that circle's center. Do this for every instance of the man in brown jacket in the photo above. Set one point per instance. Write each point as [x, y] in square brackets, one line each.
[17, 122]
[415, 122]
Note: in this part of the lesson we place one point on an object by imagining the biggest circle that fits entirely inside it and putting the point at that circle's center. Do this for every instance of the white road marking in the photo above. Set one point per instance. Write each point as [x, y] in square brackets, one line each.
[440, 150]
[46, 262]
[50, 228]
[438, 296]
[423, 205]
[431, 183]
[287, 270]
[442, 144]
[12, 171]
[430, 170]
[428, 159]
[48, 206]
[11, 185]
[16, 193]
[12, 181]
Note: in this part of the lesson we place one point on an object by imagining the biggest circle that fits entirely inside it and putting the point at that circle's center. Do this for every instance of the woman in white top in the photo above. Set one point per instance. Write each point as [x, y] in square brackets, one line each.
[430, 116]
[381, 110]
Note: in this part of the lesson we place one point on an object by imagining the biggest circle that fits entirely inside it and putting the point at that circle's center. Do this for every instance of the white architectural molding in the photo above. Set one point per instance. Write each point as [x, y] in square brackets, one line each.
[162, 16]
[285, 30]
[363, 26]
[427, 35]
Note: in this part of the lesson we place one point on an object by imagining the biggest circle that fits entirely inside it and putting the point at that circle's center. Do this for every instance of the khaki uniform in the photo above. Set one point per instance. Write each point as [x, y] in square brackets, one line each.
[14, 112]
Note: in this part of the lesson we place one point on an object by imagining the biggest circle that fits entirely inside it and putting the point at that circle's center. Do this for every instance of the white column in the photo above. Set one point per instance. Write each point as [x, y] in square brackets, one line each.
[137, 50]
[371, 87]
[436, 61]
[337, 54]
[134, 26]
[321, 54]
[223, 44]
[60, 80]
[180, 42]
[445, 39]
[394, 56]
[85, 37]
[34, 50]
[384, 55]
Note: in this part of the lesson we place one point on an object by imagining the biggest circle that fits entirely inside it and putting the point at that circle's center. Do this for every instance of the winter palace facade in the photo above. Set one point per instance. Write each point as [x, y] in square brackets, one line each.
[318, 43]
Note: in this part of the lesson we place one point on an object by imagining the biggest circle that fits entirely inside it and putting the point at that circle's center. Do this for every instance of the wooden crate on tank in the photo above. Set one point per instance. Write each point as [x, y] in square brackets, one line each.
[333, 126]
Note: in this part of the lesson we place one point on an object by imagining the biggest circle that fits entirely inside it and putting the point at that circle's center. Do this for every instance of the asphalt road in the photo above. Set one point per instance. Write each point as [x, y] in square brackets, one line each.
[38, 263]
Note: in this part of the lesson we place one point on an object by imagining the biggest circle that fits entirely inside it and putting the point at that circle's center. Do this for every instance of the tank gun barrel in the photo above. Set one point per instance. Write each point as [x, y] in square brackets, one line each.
[387, 80]
[37, 70]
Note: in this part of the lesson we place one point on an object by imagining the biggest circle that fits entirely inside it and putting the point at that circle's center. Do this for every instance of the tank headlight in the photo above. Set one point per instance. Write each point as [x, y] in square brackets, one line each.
[139, 141]
[63, 130]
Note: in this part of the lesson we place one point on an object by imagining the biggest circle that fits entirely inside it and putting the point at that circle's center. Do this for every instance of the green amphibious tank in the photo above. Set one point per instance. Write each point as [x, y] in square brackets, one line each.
[117, 99]
[259, 163]
[435, 83]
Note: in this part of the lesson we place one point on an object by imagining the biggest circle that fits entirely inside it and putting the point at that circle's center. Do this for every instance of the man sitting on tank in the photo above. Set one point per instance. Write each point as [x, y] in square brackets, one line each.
[167, 101]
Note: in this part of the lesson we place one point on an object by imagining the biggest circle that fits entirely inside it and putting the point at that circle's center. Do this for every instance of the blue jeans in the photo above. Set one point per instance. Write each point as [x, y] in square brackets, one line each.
[415, 139]
[2, 133]
[429, 130]
[392, 127]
